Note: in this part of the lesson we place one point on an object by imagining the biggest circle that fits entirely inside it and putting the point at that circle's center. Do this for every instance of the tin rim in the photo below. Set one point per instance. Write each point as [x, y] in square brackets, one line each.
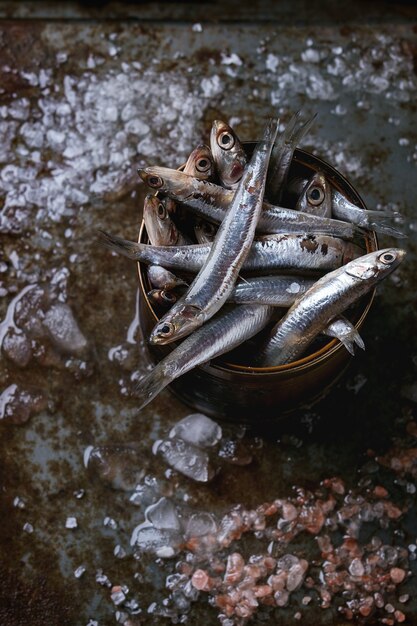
[334, 345]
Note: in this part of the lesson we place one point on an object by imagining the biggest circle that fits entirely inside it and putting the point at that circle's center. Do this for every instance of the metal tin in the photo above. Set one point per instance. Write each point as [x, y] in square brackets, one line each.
[244, 393]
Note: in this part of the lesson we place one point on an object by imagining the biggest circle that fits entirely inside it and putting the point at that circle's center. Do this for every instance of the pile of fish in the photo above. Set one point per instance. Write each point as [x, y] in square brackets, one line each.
[242, 257]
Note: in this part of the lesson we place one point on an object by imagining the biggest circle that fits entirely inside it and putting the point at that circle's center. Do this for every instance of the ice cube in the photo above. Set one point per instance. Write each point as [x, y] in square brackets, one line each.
[187, 459]
[197, 429]
[63, 330]
[120, 466]
[163, 514]
[201, 524]
[164, 543]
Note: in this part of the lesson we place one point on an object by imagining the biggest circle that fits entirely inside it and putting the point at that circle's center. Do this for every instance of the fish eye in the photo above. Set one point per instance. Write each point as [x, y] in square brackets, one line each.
[161, 210]
[387, 258]
[166, 329]
[203, 165]
[168, 296]
[155, 181]
[226, 140]
[208, 229]
[315, 195]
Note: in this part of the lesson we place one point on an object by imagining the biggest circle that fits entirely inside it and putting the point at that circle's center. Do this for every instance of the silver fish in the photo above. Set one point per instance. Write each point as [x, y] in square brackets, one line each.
[162, 297]
[219, 335]
[298, 253]
[228, 153]
[161, 229]
[204, 231]
[211, 201]
[212, 285]
[161, 278]
[200, 163]
[324, 301]
[282, 154]
[316, 197]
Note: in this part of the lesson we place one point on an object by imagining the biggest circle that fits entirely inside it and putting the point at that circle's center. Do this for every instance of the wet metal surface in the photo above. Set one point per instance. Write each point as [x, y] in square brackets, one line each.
[81, 106]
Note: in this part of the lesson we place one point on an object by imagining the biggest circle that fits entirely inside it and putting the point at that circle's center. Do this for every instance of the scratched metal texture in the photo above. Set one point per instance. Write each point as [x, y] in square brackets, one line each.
[185, 71]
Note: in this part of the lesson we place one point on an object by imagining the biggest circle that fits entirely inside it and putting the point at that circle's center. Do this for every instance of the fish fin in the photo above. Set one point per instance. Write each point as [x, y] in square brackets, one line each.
[294, 135]
[381, 222]
[150, 385]
[350, 340]
[129, 249]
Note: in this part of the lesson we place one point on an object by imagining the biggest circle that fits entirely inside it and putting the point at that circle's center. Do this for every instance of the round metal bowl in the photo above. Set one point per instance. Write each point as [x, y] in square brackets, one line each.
[233, 391]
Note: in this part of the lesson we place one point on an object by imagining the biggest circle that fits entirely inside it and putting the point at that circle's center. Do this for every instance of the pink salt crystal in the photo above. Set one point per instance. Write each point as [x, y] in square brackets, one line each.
[277, 581]
[380, 492]
[200, 580]
[297, 615]
[392, 511]
[306, 600]
[404, 598]
[289, 512]
[270, 562]
[366, 606]
[296, 575]
[379, 600]
[399, 616]
[335, 484]
[326, 598]
[312, 518]
[397, 575]
[234, 568]
[260, 591]
[281, 598]
[356, 568]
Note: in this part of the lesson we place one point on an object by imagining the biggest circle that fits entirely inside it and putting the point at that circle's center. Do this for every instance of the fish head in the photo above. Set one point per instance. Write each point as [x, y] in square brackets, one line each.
[316, 197]
[375, 265]
[180, 321]
[228, 153]
[161, 229]
[162, 297]
[200, 163]
[204, 231]
[173, 182]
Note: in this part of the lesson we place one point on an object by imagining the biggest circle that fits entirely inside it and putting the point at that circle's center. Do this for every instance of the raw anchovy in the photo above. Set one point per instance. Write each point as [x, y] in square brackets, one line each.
[316, 197]
[204, 231]
[200, 163]
[212, 202]
[209, 290]
[221, 334]
[343, 330]
[228, 154]
[282, 154]
[162, 297]
[324, 301]
[299, 253]
[161, 278]
[160, 227]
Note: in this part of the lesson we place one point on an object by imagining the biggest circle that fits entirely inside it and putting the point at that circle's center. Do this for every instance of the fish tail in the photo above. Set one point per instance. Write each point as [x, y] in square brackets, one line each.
[381, 222]
[295, 132]
[129, 249]
[151, 385]
[351, 339]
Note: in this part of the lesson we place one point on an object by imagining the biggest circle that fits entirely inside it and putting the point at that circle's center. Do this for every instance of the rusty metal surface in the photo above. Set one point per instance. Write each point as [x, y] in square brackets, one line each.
[81, 106]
